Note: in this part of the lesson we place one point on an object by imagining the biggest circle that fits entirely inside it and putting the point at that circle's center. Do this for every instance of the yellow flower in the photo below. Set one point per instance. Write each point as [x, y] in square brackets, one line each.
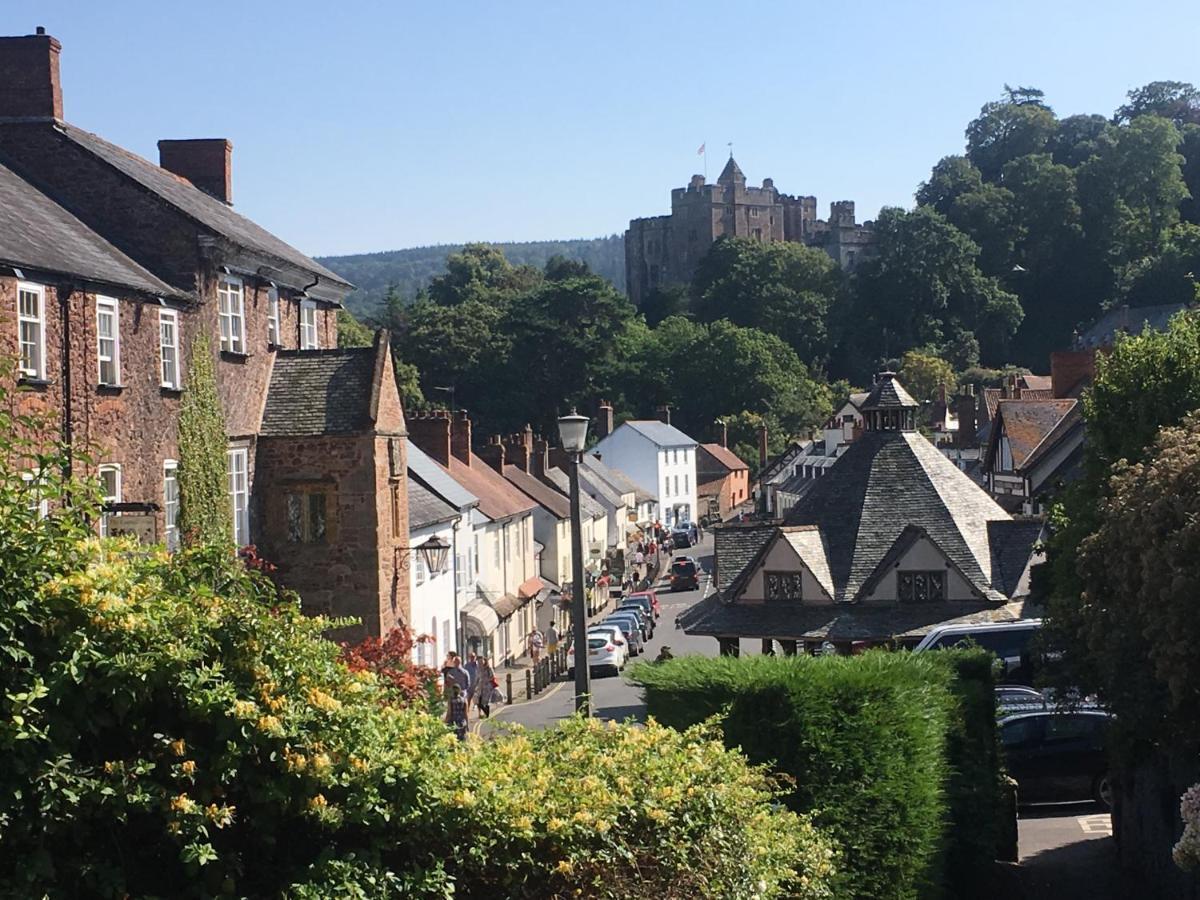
[359, 764]
[178, 747]
[556, 824]
[658, 815]
[318, 802]
[603, 826]
[295, 762]
[323, 701]
[110, 767]
[464, 798]
[524, 823]
[583, 817]
[564, 867]
[269, 724]
[244, 709]
[221, 816]
[322, 763]
[183, 804]
[188, 767]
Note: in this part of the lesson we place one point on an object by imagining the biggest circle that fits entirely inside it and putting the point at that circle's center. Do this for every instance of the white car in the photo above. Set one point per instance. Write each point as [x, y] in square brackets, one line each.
[614, 634]
[602, 654]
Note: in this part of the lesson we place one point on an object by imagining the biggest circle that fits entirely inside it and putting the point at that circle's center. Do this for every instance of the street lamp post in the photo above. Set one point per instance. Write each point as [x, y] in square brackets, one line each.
[572, 431]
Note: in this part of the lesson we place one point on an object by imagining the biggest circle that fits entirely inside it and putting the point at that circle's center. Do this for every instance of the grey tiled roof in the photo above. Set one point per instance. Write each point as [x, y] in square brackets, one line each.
[660, 433]
[598, 488]
[319, 392]
[885, 482]
[426, 508]
[888, 393]
[1012, 543]
[37, 233]
[196, 204]
[735, 545]
[541, 493]
[1125, 320]
[618, 479]
[437, 479]
[588, 507]
[837, 621]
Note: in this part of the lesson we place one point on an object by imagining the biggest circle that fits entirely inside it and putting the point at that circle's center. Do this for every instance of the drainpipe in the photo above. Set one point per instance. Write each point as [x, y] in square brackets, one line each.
[68, 424]
[454, 583]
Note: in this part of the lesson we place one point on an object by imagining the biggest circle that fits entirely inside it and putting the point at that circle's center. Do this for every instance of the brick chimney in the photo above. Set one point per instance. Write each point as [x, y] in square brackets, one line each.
[762, 446]
[722, 433]
[539, 458]
[492, 453]
[964, 409]
[664, 414]
[205, 162]
[431, 433]
[604, 419]
[30, 87]
[519, 447]
[460, 437]
[1069, 369]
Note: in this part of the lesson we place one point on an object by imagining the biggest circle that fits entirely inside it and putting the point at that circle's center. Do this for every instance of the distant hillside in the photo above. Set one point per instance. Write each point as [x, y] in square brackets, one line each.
[410, 270]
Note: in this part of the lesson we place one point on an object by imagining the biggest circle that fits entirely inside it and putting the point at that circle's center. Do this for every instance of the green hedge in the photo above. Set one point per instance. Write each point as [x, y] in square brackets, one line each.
[889, 752]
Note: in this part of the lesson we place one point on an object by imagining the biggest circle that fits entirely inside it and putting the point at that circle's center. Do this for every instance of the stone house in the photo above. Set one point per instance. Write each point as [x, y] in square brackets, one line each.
[112, 266]
[724, 480]
[892, 542]
[504, 573]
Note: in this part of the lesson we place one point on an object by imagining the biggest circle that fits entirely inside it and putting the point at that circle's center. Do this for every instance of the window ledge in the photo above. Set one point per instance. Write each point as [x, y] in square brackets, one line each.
[169, 391]
[37, 384]
[110, 388]
[234, 356]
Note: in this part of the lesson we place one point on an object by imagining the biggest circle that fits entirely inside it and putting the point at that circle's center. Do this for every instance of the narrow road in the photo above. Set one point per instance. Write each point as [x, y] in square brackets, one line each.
[1067, 853]
[615, 697]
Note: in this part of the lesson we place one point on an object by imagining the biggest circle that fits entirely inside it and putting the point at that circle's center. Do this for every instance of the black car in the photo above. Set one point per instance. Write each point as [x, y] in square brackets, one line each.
[681, 538]
[1058, 756]
[685, 576]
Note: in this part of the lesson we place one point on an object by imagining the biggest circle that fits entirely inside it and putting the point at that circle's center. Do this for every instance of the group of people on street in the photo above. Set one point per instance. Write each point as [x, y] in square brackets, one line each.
[467, 684]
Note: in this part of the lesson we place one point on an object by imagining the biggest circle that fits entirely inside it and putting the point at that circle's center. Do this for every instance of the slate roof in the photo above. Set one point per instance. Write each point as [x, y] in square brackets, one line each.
[621, 482]
[319, 392]
[838, 621]
[888, 393]
[1071, 423]
[993, 396]
[735, 545]
[545, 496]
[1037, 382]
[1028, 423]
[1125, 320]
[1013, 543]
[597, 488]
[422, 467]
[426, 508]
[660, 433]
[588, 507]
[884, 482]
[732, 170]
[784, 460]
[199, 206]
[37, 233]
[723, 461]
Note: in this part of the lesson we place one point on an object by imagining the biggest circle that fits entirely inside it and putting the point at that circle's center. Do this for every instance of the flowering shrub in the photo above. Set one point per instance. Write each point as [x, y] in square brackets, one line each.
[1187, 851]
[173, 726]
[391, 660]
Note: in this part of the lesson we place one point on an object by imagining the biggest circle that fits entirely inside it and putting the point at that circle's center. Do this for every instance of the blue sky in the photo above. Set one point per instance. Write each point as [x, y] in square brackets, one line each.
[375, 126]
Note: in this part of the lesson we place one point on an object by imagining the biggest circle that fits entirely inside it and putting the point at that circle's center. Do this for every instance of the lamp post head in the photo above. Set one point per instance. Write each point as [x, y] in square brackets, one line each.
[434, 552]
[572, 432]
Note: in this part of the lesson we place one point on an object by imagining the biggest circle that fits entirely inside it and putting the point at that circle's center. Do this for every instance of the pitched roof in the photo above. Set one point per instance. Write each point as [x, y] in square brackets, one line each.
[203, 208]
[1037, 382]
[588, 507]
[497, 498]
[735, 545]
[858, 398]
[618, 479]
[1027, 424]
[37, 233]
[1126, 320]
[883, 483]
[731, 171]
[784, 459]
[422, 467]
[597, 488]
[660, 433]
[1070, 424]
[888, 393]
[723, 460]
[547, 497]
[319, 392]
[1013, 543]
[426, 508]
[992, 396]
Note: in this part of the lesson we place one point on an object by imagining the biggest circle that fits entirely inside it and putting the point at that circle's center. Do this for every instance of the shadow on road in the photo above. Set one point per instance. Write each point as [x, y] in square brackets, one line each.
[621, 713]
[1084, 869]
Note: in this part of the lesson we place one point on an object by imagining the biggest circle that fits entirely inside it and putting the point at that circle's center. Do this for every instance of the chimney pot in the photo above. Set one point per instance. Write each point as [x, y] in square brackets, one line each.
[604, 419]
[460, 437]
[206, 162]
[41, 29]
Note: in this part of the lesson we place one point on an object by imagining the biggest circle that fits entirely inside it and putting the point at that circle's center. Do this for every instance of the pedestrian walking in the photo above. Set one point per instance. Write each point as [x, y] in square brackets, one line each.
[470, 667]
[486, 686]
[456, 712]
[536, 643]
[552, 639]
[454, 675]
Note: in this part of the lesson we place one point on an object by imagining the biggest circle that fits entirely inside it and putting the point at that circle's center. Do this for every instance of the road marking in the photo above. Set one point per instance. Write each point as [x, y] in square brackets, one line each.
[1098, 824]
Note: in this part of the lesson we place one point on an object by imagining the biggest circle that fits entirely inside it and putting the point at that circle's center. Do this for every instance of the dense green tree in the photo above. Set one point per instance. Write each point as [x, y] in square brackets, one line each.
[452, 346]
[951, 178]
[1078, 139]
[664, 302]
[1174, 100]
[351, 332]
[1046, 204]
[926, 376]
[1006, 129]
[1170, 276]
[780, 287]
[205, 518]
[1189, 148]
[481, 273]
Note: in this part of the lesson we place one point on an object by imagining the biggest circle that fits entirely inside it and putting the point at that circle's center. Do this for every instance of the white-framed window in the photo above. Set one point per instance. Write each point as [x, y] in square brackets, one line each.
[308, 325]
[273, 317]
[168, 347]
[110, 490]
[475, 556]
[667, 486]
[676, 485]
[496, 550]
[231, 303]
[31, 328]
[239, 493]
[419, 569]
[37, 503]
[171, 503]
[685, 483]
[108, 340]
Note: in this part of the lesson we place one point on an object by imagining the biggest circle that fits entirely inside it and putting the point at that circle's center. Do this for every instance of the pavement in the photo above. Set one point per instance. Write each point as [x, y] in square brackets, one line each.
[615, 697]
[1067, 853]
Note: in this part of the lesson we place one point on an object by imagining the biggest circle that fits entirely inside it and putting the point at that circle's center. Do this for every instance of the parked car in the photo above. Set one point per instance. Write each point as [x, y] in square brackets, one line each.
[645, 614]
[681, 537]
[1058, 756]
[633, 634]
[653, 598]
[1018, 697]
[685, 576]
[638, 621]
[1010, 641]
[602, 655]
[642, 602]
[616, 635]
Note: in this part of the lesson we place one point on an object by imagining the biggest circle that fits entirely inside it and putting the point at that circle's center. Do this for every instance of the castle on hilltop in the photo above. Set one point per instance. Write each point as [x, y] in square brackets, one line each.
[661, 251]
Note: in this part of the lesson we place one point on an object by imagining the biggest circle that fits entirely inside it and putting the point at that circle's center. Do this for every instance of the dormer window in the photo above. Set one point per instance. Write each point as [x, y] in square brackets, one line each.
[231, 303]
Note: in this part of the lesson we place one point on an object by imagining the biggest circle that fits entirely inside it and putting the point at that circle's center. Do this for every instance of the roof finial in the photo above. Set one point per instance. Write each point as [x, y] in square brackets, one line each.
[730, 146]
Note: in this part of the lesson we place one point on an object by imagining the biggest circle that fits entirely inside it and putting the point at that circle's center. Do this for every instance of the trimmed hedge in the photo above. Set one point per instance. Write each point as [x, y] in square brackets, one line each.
[893, 754]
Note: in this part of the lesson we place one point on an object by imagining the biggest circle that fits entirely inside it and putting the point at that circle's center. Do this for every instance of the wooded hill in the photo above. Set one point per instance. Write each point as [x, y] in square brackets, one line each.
[411, 270]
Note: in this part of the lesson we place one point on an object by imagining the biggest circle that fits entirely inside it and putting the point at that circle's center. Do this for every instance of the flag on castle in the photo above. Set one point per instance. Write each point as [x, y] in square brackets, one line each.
[700, 152]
